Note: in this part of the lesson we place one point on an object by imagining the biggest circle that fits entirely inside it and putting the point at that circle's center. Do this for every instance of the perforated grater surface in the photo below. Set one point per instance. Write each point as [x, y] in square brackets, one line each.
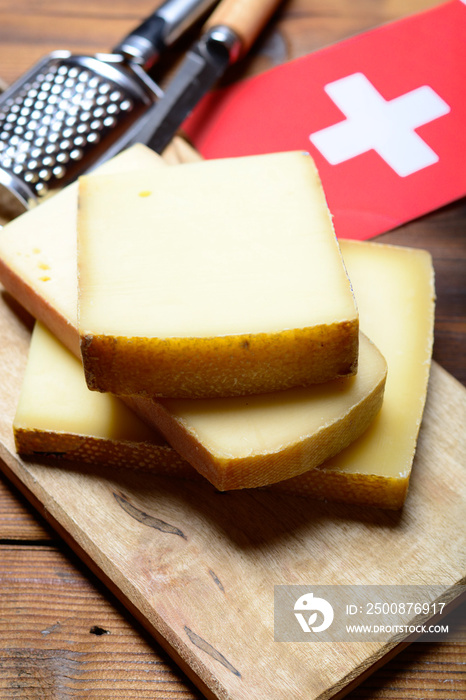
[70, 112]
[62, 116]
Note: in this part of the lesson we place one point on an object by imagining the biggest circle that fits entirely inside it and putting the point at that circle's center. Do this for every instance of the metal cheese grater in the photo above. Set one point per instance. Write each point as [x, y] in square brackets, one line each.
[70, 112]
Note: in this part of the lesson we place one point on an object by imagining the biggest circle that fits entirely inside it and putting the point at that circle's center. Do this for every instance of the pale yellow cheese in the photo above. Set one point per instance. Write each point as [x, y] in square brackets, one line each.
[38, 251]
[254, 441]
[394, 287]
[217, 278]
[58, 414]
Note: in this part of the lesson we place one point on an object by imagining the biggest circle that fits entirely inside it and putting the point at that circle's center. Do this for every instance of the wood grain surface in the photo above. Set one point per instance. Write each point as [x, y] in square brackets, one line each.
[62, 633]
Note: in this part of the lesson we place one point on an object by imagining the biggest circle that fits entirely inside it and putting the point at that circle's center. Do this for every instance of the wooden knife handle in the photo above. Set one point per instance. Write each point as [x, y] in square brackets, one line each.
[245, 17]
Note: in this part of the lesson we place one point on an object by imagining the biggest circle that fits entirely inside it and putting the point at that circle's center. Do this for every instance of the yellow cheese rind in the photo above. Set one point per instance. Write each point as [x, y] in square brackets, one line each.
[57, 414]
[248, 442]
[277, 361]
[374, 490]
[100, 451]
[218, 278]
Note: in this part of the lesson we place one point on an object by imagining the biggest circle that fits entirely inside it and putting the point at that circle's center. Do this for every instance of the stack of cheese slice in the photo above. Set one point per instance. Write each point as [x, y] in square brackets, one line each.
[251, 441]
[212, 433]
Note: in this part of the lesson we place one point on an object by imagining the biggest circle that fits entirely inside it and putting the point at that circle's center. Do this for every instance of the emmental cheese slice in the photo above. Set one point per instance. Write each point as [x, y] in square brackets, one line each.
[57, 414]
[255, 441]
[217, 278]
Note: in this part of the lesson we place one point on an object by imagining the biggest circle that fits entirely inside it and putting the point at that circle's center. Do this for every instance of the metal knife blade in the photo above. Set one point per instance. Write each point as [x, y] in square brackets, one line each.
[239, 22]
[203, 65]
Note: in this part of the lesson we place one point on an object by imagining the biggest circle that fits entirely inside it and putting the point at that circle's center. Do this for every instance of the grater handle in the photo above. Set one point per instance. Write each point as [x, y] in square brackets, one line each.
[160, 30]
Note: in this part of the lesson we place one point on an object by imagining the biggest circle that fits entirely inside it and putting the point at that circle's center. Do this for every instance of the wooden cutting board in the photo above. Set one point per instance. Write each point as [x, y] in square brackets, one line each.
[198, 567]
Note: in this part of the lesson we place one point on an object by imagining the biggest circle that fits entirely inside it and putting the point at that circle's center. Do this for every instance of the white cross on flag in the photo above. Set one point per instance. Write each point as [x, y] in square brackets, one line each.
[383, 114]
[387, 127]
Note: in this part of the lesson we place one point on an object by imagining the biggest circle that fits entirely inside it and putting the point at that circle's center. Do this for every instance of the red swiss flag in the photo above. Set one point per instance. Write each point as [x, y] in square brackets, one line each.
[383, 115]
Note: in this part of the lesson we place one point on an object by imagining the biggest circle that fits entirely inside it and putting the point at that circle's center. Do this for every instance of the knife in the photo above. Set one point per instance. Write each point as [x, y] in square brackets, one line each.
[160, 30]
[228, 35]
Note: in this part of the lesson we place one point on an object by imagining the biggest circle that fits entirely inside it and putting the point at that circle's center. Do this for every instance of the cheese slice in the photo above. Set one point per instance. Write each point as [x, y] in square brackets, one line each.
[38, 251]
[253, 441]
[394, 287]
[57, 414]
[245, 442]
[379, 477]
[217, 278]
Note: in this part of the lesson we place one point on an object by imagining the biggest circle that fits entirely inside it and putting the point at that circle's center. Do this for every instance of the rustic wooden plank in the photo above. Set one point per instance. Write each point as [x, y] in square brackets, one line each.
[29, 30]
[84, 643]
[429, 671]
[19, 50]
[62, 635]
[18, 519]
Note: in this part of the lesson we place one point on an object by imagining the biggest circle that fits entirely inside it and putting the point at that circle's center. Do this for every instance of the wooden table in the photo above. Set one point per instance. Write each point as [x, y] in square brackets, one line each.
[62, 634]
